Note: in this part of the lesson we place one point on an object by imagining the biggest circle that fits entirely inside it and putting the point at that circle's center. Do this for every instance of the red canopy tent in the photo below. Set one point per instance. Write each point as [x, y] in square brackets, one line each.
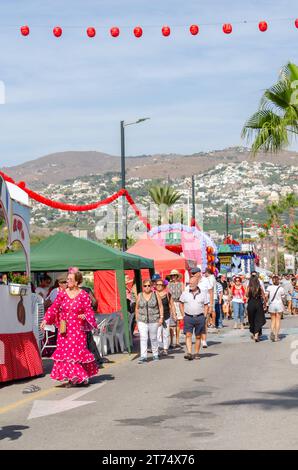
[105, 282]
[164, 260]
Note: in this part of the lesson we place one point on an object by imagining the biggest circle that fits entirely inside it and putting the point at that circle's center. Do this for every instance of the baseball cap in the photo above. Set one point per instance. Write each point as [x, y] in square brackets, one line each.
[155, 277]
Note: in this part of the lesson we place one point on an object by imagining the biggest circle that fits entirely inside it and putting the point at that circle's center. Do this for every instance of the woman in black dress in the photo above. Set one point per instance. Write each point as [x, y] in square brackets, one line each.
[255, 308]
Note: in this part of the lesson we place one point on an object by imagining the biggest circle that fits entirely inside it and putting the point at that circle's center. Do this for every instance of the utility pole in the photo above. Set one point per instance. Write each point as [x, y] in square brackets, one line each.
[193, 198]
[227, 220]
[123, 184]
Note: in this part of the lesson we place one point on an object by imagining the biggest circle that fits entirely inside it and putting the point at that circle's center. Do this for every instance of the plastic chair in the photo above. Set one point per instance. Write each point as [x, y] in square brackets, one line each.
[111, 331]
[131, 320]
[48, 330]
[100, 338]
[119, 338]
[38, 315]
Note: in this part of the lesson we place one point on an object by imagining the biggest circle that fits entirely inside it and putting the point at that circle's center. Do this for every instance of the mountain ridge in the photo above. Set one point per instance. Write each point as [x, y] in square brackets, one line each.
[57, 167]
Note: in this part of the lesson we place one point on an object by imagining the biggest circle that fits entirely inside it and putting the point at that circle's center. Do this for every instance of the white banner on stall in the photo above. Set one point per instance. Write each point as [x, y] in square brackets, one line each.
[289, 262]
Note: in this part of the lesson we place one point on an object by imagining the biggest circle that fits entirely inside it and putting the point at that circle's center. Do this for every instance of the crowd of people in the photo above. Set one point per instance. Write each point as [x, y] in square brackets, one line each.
[162, 309]
[206, 303]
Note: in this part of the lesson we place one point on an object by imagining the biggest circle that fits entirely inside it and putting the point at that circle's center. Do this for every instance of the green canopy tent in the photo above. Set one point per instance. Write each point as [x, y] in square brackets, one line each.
[61, 250]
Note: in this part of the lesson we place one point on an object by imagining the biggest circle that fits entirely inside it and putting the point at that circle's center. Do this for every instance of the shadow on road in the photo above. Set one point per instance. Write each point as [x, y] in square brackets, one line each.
[203, 355]
[12, 432]
[285, 399]
[101, 378]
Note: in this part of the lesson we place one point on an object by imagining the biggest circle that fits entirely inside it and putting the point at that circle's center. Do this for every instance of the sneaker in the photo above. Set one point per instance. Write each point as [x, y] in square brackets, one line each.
[155, 358]
[188, 356]
[204, 344]
[142, 360]
[164, 352]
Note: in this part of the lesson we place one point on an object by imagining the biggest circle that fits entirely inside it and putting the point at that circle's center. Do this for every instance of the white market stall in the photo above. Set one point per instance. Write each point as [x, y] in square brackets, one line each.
[19, 353]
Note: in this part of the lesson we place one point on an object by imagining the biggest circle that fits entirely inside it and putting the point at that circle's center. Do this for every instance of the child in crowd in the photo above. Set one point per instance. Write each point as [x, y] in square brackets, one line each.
[226, 308]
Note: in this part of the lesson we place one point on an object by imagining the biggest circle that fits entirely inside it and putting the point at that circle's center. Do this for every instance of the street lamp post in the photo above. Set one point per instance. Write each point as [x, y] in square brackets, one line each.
[123, 182]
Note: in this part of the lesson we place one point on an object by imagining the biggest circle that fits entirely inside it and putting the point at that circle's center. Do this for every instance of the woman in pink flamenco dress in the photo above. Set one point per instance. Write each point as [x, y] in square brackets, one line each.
[72, 360]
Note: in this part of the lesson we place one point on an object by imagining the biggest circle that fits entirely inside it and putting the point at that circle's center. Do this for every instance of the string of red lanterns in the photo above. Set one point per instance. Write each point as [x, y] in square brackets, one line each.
[194, 29]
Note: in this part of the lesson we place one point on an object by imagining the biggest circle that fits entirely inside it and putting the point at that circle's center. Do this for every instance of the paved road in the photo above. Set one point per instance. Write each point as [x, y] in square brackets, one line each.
[239, 395]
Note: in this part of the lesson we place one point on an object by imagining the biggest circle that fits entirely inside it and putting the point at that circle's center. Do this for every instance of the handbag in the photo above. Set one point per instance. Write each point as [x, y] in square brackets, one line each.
[62, 327]
[63, 323]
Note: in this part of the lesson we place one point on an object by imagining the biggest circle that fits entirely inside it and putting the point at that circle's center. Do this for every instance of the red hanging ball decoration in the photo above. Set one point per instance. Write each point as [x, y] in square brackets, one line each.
[263, 26]
[115, 31]
[138, 32]
[296, 23]
[91, 32]
[227, 28]
[25, 30]
[194, 29]
[166, 31]
[57, 31]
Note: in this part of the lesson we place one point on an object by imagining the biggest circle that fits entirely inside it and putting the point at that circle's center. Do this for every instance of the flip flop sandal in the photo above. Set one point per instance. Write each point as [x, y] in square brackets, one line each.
[31, 389]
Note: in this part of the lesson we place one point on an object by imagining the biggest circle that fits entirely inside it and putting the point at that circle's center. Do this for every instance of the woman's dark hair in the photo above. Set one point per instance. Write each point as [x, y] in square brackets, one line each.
[254, 287]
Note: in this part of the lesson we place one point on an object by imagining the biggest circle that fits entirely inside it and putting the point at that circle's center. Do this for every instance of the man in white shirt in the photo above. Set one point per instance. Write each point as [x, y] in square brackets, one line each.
[205, 286]
[194, 309]
[44, 286]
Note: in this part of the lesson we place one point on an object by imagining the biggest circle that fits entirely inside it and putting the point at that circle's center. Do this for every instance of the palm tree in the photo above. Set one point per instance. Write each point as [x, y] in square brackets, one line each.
[262, 238]
[291, 239]
[274, 212]
[275, 123]
[164, 197]
[289, 203]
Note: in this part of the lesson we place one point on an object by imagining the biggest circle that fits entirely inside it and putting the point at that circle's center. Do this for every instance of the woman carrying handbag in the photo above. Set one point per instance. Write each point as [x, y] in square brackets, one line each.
[72, 314]
[276, 296]
[255, 308]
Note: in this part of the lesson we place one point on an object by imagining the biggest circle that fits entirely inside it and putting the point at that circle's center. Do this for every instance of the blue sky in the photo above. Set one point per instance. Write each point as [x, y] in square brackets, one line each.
[71, 93]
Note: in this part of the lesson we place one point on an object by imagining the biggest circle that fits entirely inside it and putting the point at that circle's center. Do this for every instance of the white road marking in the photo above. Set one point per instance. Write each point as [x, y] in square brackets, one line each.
[42, 408]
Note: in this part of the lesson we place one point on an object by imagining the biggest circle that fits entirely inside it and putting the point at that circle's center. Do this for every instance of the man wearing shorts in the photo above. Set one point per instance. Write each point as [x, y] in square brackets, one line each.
[194, 309]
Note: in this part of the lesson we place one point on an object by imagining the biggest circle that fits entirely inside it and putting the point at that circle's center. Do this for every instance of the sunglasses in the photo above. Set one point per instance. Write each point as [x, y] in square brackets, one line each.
[159, 285]
[146, 285]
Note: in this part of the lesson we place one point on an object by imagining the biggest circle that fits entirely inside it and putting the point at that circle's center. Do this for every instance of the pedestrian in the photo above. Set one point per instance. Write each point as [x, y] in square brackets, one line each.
[238, 301]
[213, 295]
[255, 308]
[175, 288]
[194, 309]
[72, 314]
[59, 286]
[149, 316]
[276, 297]
[218, 305]
[295, 299]
[205, 287]
[44, 286]
[163, 333]
[226, 308]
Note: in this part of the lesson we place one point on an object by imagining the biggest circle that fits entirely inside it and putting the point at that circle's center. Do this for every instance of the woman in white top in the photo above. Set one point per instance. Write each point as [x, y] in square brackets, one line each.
[275, 294]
